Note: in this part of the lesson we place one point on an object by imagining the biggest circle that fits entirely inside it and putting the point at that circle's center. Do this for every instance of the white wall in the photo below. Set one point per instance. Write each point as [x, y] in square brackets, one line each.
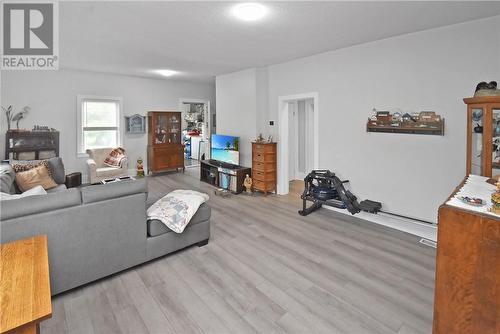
[431, 70]
[241, 107]
[52, 98]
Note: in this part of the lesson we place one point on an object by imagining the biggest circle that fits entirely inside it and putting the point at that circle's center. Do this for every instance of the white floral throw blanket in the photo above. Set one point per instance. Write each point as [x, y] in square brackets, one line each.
[176, 209]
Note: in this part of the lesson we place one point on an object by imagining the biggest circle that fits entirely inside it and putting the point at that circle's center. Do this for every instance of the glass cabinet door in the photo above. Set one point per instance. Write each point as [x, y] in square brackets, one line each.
[174, 128]
[495, 150]
[161, 129]
[476, 153]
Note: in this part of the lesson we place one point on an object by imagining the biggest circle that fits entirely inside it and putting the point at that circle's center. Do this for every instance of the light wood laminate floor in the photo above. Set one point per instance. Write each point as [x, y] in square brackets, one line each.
[265, 270]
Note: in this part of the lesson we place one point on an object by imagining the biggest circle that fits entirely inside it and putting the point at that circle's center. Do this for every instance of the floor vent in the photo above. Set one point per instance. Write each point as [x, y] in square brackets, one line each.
[428, 242]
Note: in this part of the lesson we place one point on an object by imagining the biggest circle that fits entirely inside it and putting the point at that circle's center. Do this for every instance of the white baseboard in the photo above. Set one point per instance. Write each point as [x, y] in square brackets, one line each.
[411, 226]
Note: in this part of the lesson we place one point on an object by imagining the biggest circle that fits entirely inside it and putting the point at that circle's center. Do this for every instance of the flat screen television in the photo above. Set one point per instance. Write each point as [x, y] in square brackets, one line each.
[225, 149]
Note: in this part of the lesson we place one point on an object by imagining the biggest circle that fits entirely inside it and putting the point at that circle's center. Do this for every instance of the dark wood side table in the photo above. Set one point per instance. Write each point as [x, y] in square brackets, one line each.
[25, 285]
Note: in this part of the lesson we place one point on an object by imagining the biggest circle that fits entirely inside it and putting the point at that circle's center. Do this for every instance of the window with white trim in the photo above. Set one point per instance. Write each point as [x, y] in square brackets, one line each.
[98, 122]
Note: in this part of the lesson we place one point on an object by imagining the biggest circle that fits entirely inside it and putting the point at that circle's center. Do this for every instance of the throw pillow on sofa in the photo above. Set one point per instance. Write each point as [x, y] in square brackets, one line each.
[115, 157]
[38, 176]
[55, 166]
[38, 190]
[23, 166]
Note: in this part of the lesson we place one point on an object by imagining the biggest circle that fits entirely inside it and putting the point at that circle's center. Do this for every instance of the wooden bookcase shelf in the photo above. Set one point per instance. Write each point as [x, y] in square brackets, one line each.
[38, 142]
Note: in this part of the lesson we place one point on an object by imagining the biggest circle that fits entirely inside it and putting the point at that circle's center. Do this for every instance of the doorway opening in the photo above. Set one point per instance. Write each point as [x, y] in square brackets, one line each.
[196, 130]
[298, 138]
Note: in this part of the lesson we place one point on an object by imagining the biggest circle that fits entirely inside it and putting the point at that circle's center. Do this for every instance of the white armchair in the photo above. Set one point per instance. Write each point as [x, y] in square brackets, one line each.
[98, 171]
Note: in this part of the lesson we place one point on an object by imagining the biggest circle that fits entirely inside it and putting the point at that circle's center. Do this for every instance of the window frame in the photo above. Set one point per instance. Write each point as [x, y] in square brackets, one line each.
[81, 99]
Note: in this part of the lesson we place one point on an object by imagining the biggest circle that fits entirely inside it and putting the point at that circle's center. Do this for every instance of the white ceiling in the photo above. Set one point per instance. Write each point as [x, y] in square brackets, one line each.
[202, 39]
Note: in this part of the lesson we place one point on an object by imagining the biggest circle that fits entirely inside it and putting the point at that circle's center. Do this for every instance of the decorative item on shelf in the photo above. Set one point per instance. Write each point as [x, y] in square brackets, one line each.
[140, 167]
[477, 115]
[425, 122]
[487, 89]
[41, 128]
[478, 128]
[135, 124]
[270, 139]
[15, 117]
[8, 112]
[248, 184]
[260, 139]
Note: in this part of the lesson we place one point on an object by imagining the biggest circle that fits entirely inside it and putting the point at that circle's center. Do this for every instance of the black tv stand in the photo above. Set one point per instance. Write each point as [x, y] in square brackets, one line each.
[212, 170]
[222, 164]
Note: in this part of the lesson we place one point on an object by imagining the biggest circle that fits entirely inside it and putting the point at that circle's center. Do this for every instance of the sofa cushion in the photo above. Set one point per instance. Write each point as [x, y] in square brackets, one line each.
[156, 227]
[7, 177]
[38, 176]
[101, 192]
[41, 203]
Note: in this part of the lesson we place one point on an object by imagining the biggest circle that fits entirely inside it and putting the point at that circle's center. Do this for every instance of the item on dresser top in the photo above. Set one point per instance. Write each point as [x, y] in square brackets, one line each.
[176, 209]
[477, 187]
[474, 201]
[34, 177]
[495, 200]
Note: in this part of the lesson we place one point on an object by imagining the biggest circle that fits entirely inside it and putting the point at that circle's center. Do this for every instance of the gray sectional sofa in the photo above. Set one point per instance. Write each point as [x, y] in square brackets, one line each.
[95, 231]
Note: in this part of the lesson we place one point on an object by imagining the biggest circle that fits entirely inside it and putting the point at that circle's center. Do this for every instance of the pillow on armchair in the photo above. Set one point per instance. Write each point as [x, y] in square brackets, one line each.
[115, 157]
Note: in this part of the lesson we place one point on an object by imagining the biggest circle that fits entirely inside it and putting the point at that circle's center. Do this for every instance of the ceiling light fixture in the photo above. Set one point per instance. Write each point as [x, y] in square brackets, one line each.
[166, 73]
[249, 11]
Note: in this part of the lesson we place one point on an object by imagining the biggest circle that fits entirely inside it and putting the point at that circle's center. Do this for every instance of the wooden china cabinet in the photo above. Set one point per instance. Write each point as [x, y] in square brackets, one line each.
[165, 149]
[483, 135]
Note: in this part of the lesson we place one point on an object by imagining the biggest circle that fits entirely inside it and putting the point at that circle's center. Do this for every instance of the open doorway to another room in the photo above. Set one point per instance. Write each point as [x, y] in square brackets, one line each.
[196, 130]
[298, 140]
[300, 144]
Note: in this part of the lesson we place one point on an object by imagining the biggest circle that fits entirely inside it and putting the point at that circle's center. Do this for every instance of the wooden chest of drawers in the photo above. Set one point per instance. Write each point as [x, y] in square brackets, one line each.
[264, 167]
[467, 272]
